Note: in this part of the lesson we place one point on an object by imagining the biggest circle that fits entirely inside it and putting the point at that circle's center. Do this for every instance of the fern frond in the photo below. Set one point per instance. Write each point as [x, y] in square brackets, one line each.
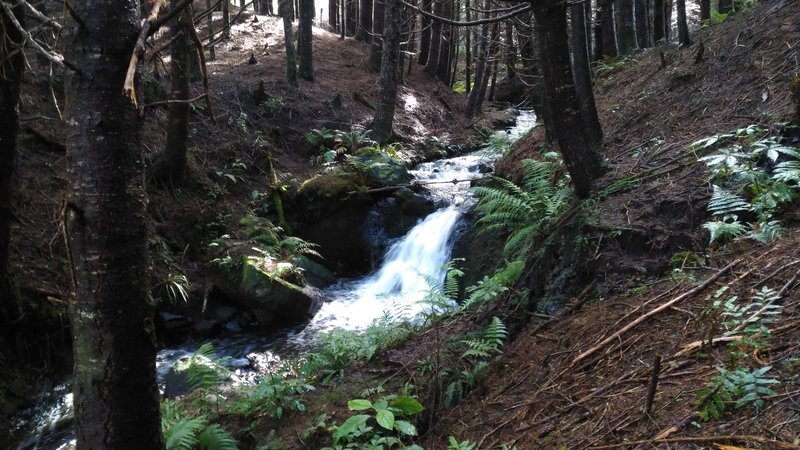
[495, 333]
[787, 171]
[520, 240]
[720, 229]
[723, 202]
[766, 231]
[182, 435]
[214, 437]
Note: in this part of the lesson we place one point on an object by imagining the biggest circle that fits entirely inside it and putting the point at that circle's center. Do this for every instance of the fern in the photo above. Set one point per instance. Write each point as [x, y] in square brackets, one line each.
[182, 434]
[720, 229]
[723, 202]
[214, 437]
[787, 171]
[205, 368]
[522, 210]
[740, 387]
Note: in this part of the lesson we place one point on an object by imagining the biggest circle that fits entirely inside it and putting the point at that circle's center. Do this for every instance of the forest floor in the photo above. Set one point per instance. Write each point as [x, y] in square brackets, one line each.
[545, 391]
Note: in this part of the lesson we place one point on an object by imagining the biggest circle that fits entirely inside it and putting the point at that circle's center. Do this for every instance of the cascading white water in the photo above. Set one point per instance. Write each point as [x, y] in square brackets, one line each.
[408, 269]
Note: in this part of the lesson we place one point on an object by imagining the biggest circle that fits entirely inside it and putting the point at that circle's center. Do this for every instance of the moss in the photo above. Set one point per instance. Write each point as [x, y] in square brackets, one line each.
[334, 184]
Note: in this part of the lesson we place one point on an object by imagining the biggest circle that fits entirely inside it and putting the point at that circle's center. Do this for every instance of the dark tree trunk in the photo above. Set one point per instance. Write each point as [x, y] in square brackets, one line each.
[212, 52]
[683, 27]
[364, 20]
[494, 80]
[114, 378]
[642, 16]
[285, 11]
[305, 40]
[376, 49]
[425, 35]
[333, 15]
[511, 52]
[587, 14]
[583, 76]
[626, 33]
[580, 157]
[598, 33]
[226, 20]
[467, 49]
[436, 40]
[527, 49]
[11, 70]
[667, 20]
[705, 9]
[351, 17]
[606, 10]
[342, 19]
[658, 21]
[173, 164]
[446, 44]
[480, 72]
[384, 116]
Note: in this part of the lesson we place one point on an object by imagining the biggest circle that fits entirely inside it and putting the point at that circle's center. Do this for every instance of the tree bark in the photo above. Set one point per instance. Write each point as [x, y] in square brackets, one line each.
[425, 35]
[384, 116]
[626, 33]
[11, 71]
[351, 17]
[446, 49]
[583, 76]
[467, 49]
[436, 40]
[642, 16]
[658, 21]
[598, 33]
[333, 7]
[305, 40]
[376, 49]
[172, 164]
[364, 20]
[606, 8]
[683, 27]
[582, 161]
[212, 52]
[114, 385]
[285, 11]
[667, 20]
[705, 9]
[226, 20]
[511, 51]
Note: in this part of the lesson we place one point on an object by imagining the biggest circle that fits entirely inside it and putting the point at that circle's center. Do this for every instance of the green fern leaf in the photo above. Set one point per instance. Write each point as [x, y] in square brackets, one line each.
[720, 229]
[723, 202]
[214, 437]
[787, 171]
[182, 435]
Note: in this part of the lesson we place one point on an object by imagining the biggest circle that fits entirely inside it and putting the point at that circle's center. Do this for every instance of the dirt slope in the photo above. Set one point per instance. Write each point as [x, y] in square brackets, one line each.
[541, 394]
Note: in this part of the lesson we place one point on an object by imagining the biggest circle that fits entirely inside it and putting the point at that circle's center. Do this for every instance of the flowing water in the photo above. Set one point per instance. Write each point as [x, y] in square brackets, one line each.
[411, 266]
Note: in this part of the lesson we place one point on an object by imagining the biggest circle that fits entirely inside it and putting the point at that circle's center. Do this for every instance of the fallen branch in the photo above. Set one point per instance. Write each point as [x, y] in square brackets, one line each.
[732, 438]
[128, 88]
[167, 102]
[416, 183]
[51, 56]
[655, 311]
[41, 17]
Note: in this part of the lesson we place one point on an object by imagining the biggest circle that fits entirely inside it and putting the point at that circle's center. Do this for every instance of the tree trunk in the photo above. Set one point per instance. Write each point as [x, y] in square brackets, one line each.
[483, 71]
[511, 52]
[582, 161]
[467, 49]
[376, 49]
[364, 20]
[626, 33]
[494, 80]
[384, 116]
[436, 40]
[658, 21]
[172, 165]
[333, 8]
[212, 53]
[683, 27]
[598, 33]
[583, 76]
[305, 40]
[446, 44]
[705, 9]
[285, 11]
[642, 17]
[527, 49]
[11, 70]
[114, 384]
[226, 20]
[667, 20]
[606, 8]
[351, 17]
[725, 6]
[425, 35]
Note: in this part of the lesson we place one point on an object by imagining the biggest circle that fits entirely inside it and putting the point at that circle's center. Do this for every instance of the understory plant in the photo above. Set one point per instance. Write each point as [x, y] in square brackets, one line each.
[382, 424]
[734, 388]
[275, 395]
[524, 210]
[753, 176]
[183, 431]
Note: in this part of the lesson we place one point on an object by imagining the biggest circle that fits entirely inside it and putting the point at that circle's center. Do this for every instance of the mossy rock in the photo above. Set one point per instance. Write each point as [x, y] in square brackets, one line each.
[384, 170]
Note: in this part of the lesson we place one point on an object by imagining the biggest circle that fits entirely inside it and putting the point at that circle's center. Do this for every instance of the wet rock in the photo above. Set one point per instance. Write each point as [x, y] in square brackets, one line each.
[403, 210]
[222, 313]
[274, 301]
[314, 273]
[511, 90]
[173, 324]
[384, 170]
[494, 120]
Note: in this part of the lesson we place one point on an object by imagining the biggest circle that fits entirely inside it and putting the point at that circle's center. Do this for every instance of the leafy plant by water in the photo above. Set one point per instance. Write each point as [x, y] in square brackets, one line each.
[524, 210]
[739, 387]
[186, 432]
[388, 413]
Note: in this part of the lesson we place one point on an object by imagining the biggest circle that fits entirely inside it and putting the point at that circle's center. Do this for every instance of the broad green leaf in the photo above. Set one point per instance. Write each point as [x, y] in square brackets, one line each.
[408, 405]
[349, 426]
[405, 428]
[359, 404]
[385, 418]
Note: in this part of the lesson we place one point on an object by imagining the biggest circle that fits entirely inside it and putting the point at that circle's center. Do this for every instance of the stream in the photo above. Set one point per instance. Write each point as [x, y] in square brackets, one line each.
[404, 276]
